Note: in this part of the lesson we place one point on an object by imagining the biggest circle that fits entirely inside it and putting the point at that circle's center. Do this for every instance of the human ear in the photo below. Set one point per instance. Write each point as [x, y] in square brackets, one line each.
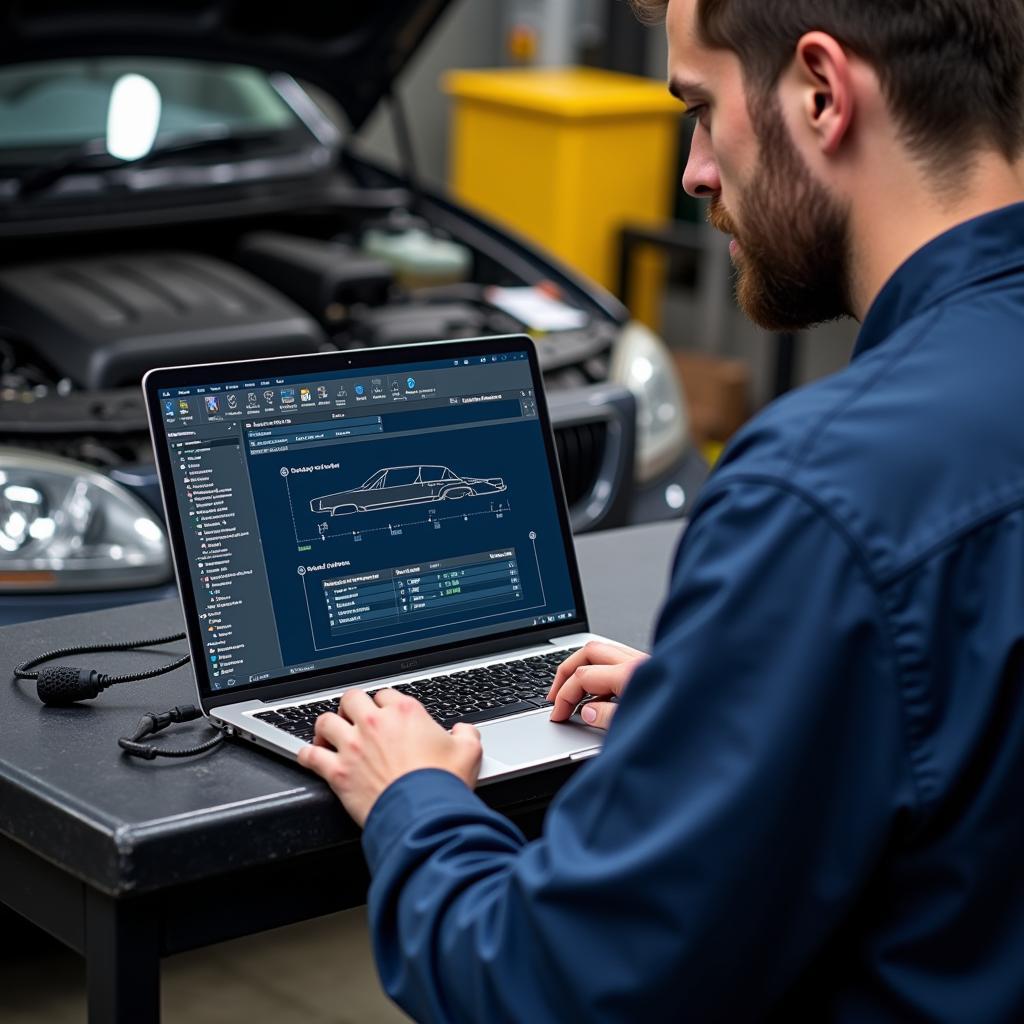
[825, 79]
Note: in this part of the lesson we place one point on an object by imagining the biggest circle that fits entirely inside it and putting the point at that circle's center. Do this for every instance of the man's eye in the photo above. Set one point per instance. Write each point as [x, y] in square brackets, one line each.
[698, 112]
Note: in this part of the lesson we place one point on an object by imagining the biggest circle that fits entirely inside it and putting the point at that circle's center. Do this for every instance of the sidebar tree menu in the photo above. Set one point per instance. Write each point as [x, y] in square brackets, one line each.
[229, 580]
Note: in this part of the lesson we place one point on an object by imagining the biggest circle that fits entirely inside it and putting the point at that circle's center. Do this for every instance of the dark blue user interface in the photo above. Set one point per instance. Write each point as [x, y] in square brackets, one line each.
[362, 515]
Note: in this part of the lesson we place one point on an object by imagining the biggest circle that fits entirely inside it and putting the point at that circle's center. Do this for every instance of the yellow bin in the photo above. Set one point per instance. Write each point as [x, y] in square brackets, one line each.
[567, 157]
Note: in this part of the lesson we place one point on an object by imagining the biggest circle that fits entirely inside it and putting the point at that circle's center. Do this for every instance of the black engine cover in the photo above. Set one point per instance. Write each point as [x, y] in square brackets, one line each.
[105, 321]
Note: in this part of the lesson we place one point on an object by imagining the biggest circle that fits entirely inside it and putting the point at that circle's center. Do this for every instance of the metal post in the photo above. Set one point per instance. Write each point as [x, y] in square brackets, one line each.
[715, 283]
[558, 33]
[122, 956]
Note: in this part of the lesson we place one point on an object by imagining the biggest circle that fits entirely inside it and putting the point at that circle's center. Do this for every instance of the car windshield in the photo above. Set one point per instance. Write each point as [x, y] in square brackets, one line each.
[374, 480]
[58, 105]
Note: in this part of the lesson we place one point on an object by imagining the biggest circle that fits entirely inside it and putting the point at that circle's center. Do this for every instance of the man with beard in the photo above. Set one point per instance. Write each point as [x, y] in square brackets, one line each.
[809, 804]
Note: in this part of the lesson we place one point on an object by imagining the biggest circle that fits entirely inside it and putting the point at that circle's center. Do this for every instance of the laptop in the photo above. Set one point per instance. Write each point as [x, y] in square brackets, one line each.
[389, 517]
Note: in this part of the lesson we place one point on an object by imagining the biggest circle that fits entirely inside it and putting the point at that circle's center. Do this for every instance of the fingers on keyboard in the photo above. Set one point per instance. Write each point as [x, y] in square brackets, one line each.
[471, 695]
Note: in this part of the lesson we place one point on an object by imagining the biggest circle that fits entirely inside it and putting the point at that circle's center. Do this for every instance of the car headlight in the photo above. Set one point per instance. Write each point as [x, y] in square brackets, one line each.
[65, 527]
[642, 363]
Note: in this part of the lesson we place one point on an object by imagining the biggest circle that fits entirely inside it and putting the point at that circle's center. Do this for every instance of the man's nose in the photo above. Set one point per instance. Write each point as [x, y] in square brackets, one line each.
[700, 179]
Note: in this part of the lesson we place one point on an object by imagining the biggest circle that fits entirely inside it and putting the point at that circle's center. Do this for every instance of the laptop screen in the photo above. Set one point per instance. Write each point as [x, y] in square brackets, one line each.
[341, 517]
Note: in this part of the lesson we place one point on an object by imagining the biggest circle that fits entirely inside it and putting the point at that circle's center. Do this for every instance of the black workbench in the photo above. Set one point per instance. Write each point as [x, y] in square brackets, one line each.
[126, 861]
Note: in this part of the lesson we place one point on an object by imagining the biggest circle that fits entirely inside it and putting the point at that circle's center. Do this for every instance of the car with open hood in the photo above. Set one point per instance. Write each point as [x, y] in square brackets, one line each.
[183, 182]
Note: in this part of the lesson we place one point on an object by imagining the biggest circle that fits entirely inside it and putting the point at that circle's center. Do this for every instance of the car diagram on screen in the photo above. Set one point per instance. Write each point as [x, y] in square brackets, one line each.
[399, 486]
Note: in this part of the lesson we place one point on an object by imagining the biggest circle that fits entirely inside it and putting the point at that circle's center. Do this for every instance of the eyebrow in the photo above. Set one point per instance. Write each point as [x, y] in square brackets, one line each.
[680, 87]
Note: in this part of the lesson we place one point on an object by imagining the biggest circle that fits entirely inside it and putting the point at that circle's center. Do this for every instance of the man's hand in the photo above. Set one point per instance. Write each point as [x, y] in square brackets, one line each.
[375, 740]
[596, 670]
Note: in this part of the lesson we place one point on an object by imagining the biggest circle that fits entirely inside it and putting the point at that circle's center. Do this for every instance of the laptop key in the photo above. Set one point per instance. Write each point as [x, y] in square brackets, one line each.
[487, 714]
[469, 695]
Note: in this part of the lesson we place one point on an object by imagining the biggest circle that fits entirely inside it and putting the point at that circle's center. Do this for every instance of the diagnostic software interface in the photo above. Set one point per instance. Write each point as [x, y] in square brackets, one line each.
[364, 514]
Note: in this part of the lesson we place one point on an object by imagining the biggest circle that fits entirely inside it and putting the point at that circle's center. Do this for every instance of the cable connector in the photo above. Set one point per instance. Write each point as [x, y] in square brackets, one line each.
[63, 685]
[185, 713]
[152, 723]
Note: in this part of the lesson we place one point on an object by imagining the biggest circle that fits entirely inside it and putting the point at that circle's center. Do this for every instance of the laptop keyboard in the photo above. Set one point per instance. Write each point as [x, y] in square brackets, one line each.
[474, 695]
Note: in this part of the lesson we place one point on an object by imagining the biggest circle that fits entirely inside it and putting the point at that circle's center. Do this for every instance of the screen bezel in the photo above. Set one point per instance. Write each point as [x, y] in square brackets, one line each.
[357, 359]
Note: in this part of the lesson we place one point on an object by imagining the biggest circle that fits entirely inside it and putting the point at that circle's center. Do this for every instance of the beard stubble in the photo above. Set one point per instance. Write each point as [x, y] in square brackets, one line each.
[793, 267]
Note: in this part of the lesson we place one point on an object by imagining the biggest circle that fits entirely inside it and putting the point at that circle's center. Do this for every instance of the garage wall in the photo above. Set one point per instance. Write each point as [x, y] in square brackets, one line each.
[469, 35]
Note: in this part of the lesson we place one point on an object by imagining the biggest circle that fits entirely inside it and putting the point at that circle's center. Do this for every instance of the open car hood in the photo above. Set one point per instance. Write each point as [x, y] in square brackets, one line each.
[353, 49]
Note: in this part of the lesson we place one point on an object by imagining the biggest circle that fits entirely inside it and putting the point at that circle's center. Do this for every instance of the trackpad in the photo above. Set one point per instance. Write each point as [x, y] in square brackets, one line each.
[536, 738]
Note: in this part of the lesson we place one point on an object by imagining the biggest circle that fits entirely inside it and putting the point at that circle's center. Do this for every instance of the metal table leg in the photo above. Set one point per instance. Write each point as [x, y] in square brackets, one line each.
[122, 952]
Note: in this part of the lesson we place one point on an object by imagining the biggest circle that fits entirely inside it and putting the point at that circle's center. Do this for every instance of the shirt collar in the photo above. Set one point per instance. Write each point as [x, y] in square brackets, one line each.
[974, 251]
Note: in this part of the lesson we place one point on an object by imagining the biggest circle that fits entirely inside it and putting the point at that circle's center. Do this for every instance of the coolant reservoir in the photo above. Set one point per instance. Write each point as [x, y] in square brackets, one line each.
[418, 258]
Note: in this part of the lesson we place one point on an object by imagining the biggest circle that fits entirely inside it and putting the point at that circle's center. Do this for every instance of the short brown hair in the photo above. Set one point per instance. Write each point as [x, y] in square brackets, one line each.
[951, 70]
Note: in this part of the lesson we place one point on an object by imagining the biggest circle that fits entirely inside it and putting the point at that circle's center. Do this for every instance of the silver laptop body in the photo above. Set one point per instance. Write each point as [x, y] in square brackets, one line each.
[369, 519]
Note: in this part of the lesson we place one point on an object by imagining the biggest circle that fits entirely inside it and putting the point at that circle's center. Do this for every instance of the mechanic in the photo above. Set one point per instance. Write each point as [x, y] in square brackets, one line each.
[808, 807]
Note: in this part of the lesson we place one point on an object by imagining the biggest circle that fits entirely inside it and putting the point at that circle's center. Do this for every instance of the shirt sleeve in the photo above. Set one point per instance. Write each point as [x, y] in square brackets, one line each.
[750, 782]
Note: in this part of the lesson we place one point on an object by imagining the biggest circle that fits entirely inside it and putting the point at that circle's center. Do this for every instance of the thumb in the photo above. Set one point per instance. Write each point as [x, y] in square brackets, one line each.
[467, 739]
[598, 713]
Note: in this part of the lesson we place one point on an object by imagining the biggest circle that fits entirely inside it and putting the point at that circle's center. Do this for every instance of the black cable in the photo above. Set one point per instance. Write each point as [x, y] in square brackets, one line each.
[22, 671]
[61, 685]
[150, 724]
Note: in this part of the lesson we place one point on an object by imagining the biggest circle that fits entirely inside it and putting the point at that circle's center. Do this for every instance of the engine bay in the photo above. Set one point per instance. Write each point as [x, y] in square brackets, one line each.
[78, 329]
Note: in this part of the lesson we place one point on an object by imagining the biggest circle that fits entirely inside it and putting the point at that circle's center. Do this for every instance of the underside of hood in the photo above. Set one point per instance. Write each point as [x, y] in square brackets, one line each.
[354, 50]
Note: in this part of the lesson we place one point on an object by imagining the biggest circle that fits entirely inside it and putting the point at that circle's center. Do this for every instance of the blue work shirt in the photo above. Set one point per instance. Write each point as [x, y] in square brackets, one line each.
[810, 805]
